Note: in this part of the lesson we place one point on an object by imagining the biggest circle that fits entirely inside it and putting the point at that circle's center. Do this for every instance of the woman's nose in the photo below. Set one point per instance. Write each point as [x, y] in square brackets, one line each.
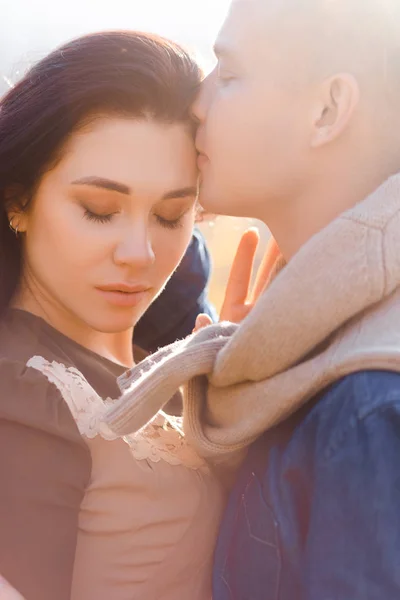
[135, 249]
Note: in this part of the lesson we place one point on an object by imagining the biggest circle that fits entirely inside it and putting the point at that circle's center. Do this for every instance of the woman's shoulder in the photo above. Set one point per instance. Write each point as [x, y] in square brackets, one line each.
[41, 385]
[24, 335]
[30, 399]
[28, 394]
[47, 471]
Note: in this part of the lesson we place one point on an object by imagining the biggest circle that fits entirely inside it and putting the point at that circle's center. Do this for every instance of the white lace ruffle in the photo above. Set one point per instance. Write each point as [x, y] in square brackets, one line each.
[162, 439]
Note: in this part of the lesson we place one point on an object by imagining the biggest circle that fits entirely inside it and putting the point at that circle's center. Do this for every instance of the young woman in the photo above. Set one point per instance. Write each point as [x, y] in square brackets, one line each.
[98, 186]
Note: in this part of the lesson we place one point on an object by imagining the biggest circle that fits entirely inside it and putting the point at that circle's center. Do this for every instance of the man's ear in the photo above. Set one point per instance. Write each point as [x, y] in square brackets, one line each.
[337, 101]
[15, 203]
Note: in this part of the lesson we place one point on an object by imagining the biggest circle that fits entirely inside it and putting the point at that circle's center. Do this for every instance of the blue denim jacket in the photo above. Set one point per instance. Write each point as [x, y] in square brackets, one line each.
[315, 513]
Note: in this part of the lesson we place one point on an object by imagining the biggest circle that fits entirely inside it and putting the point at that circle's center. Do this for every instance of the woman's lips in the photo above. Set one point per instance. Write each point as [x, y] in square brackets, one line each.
[123, 298]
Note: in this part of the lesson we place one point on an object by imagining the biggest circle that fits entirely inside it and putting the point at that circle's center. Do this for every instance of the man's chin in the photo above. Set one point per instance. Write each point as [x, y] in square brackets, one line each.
[217, 202]
[213, 202]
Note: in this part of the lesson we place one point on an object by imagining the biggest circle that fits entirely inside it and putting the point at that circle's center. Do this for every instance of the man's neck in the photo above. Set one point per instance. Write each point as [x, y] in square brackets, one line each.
[301, 218]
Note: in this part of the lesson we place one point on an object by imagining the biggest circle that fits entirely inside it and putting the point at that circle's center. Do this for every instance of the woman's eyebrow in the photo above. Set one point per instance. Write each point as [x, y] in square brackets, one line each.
[185, 192]
[116, 186]
[105, 184]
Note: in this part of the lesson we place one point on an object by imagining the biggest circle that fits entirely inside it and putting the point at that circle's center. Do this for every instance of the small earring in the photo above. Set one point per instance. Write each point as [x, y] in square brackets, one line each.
[13, 229]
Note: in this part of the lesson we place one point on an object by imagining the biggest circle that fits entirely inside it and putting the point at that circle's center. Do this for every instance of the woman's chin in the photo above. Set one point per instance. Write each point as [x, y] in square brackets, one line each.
[115, 321]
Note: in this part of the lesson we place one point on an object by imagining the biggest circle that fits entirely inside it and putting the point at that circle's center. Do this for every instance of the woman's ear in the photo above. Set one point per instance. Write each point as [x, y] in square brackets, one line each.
[15, 203]
[337, 101]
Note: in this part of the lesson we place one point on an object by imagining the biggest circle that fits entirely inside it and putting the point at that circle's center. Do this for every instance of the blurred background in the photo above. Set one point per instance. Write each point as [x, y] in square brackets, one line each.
[29, 29]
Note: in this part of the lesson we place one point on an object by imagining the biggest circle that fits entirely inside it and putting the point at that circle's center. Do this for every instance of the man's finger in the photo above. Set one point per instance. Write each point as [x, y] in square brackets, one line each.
[201, 322]
[237, 290]
[264, 272]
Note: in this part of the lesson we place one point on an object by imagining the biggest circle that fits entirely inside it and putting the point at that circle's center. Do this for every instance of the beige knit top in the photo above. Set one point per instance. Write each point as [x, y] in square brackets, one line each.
[333, 310]
[85, 515]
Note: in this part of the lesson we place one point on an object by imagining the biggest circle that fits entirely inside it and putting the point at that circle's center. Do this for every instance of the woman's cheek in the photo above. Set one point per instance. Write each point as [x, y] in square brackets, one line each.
[170, 251]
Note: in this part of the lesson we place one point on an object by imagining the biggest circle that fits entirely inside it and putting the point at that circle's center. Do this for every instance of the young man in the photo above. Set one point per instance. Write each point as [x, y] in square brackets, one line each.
[299, 127]
[297, 124]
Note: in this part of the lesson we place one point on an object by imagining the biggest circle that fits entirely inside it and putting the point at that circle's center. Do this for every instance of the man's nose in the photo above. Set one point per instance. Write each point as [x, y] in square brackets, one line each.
[201, 104]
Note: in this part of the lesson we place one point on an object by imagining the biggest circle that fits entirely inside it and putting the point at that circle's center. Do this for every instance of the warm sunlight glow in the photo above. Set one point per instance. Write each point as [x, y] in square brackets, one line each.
[30, 29]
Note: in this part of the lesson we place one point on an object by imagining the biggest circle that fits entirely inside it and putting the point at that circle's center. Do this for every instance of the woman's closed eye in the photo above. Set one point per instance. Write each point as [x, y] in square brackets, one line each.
[98, 218]
[171, 221]
[99, 208]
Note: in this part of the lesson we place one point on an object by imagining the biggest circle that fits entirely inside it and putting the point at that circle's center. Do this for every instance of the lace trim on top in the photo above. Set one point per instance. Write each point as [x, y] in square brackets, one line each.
[162, 439]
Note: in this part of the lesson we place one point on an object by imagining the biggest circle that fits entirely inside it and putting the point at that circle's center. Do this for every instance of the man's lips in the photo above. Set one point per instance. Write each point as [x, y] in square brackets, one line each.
[202, 160]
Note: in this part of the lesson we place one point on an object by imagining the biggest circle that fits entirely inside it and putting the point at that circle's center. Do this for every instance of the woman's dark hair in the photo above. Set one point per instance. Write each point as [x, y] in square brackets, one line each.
[122, 73]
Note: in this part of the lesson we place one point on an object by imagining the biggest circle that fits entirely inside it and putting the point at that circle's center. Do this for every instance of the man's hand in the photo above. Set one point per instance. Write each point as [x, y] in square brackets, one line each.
[240, 295]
